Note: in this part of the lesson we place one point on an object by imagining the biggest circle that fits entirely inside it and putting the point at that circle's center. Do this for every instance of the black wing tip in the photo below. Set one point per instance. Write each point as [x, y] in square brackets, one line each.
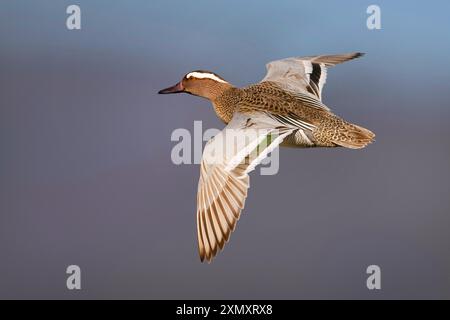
[205, 259]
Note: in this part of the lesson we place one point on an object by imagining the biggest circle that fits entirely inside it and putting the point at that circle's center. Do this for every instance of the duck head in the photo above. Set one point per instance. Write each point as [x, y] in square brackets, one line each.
[201, 83]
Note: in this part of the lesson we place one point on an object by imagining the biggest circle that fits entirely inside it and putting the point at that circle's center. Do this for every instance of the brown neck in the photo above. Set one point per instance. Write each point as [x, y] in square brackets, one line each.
[212, 90]
[223, 96]
[226, 103]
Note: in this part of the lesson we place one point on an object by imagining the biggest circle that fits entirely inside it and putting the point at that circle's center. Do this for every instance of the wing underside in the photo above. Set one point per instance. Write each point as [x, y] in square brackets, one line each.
[224, 181]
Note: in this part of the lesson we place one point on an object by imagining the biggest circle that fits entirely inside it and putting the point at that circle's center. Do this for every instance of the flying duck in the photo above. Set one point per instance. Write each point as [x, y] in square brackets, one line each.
[285, 108]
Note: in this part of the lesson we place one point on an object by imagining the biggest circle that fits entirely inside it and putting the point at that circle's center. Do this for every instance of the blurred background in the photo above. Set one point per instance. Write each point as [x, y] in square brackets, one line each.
[86, 176]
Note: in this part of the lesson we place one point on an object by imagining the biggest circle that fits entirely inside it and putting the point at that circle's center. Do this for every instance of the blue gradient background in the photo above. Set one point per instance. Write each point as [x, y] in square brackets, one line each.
[86, 176]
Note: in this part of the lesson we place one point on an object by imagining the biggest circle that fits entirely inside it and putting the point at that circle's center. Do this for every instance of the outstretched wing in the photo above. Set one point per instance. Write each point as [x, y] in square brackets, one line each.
[305, 74]
[224, 181]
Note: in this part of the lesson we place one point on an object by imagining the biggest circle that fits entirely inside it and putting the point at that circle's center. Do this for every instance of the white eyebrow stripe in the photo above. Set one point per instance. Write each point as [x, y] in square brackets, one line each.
[203, 75]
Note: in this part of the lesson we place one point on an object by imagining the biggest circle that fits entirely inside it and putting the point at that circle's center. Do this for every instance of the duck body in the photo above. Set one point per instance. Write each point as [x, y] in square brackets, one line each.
[329, 130]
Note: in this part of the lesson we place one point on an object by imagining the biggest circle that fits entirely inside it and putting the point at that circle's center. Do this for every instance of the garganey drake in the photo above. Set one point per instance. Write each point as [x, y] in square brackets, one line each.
[286, 108]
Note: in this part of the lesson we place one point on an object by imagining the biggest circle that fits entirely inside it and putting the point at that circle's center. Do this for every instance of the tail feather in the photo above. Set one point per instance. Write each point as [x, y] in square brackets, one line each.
[354, 137]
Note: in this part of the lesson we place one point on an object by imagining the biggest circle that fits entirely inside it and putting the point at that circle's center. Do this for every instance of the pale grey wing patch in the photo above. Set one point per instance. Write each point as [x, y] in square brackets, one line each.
[299, 76]
[224, 180]
[291, 74]
[304, 74]
[333, 59]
